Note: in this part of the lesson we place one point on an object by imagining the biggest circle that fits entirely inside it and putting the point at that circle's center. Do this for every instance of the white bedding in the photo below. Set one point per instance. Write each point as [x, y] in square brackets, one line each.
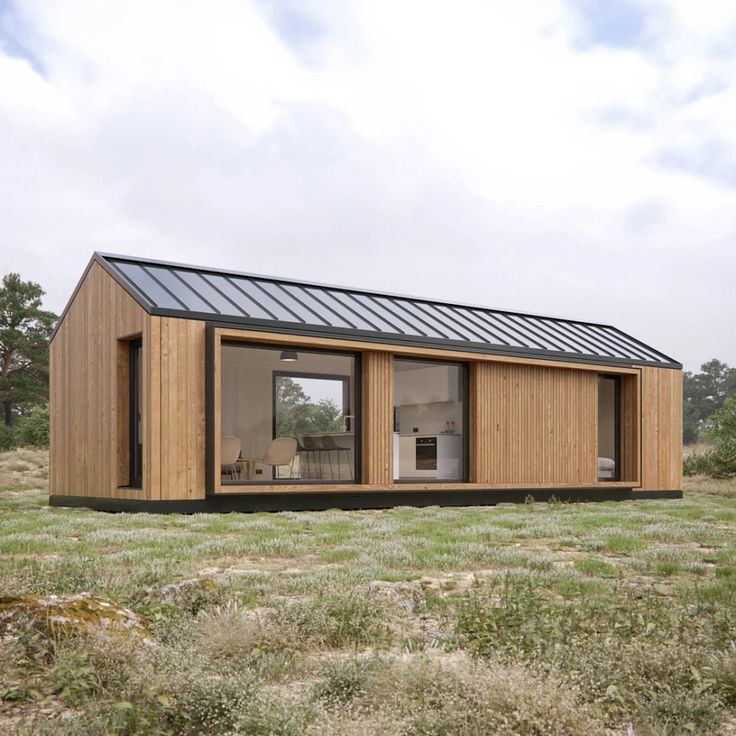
[605, 463]
[606, 468]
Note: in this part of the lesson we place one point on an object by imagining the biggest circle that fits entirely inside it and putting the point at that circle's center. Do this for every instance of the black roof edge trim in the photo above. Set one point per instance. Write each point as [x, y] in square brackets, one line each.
[643, 345]
[337, 287]
[127, 284]
[411, 341]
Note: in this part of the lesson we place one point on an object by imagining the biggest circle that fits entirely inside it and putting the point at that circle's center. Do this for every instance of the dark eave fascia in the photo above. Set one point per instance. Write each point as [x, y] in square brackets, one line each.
[384, 338]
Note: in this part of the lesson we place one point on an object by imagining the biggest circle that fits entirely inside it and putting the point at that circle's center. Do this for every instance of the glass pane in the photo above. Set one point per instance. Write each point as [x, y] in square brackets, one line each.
[153, 290]
[608, 434]
[182, 292]
[287, 416]
[429, 420]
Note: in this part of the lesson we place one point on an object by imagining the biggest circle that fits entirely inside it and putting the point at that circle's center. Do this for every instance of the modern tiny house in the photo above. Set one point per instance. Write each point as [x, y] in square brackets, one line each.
[179, 388]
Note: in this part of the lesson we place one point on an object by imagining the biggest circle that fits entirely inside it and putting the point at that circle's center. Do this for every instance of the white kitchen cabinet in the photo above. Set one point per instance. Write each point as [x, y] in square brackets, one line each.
[449, 464]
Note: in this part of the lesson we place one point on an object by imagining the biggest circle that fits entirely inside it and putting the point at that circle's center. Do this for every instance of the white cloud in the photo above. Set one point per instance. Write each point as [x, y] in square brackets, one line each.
[465, 150]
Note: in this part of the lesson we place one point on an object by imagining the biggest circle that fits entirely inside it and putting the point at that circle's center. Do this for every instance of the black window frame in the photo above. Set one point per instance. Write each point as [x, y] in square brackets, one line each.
[279, 347]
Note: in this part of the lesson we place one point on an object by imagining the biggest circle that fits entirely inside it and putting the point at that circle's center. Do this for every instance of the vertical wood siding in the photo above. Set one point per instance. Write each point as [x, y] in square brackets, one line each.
[533, 425]
[89, 398]
[86, 425]
[631, 428]
[377, 417]
[661, 429]
[177, 452]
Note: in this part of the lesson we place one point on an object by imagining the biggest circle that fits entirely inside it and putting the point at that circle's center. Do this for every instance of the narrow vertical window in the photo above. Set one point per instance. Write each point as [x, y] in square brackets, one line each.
[609, 428]
[135, 414]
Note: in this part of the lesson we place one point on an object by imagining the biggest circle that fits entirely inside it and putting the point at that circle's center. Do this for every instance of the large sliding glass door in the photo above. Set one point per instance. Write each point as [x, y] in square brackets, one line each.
[288, 416]
[430, 421]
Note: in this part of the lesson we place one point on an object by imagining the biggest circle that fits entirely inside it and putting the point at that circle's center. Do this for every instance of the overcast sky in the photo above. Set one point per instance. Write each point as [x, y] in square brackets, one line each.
[565, 157]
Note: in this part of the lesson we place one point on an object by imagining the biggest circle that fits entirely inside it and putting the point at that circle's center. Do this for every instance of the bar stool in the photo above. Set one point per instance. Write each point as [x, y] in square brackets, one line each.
[303, 453]
[312, 447]
[329, 444]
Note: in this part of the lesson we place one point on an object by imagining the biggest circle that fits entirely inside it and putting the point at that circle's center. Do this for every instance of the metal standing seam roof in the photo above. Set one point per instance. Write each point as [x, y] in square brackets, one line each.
[280, 305]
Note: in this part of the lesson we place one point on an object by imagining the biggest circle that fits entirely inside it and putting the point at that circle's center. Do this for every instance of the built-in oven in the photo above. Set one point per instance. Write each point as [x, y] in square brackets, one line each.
[426, 453]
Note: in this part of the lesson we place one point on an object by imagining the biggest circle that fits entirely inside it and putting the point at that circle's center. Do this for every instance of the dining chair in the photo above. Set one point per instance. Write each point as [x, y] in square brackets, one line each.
[229, 454]
[280, 453]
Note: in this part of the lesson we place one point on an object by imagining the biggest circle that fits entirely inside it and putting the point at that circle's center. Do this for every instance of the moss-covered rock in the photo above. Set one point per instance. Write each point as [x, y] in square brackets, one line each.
[79, 613]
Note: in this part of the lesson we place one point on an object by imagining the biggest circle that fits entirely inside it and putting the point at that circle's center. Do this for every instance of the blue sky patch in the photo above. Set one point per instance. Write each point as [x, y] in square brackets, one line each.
[12, 37]
[617, 23]
[713, 159]
[296, 28]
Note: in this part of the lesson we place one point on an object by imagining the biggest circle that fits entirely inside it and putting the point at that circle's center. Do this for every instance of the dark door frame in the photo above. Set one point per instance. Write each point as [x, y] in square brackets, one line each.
[616, 428]
[135, 348]
[465, 373]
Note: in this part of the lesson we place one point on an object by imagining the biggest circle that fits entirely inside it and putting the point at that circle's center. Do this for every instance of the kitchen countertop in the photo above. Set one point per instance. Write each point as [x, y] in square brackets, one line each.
[432, 434]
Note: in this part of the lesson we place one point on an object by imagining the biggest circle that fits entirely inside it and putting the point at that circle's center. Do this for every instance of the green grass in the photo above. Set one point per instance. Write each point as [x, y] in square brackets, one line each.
[396, 622]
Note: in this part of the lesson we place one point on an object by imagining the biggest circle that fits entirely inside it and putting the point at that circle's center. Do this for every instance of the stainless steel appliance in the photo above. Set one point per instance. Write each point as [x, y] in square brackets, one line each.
[426, 453]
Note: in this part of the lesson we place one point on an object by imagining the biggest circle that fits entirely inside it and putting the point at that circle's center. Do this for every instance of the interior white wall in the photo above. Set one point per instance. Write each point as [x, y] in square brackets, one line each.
[607, 419]
[427, 398]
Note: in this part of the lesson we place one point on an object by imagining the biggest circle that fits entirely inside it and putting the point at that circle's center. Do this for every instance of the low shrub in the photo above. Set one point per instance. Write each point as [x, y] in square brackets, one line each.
[343, 680]
[697, 463]
[461, 698]
[722, 668]
[8, 437]
[626, 654]
[227, 632]
[31, 430]
[331, 621]
[718, 462]
[210, 704]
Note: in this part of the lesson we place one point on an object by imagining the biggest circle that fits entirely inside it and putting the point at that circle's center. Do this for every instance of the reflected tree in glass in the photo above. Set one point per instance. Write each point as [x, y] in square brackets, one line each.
[297, 414]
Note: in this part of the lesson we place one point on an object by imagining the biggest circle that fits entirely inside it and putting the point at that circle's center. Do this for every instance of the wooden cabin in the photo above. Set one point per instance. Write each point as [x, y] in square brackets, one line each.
[179, 388]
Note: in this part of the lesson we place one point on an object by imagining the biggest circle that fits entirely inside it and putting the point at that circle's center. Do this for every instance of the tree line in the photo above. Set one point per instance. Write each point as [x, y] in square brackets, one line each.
[704, 394]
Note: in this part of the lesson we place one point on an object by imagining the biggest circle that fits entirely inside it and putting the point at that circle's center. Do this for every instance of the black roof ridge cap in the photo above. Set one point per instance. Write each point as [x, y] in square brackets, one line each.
[352, 289]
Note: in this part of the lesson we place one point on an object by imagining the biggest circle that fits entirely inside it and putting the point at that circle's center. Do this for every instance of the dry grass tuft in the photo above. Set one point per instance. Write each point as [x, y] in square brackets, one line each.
[227, 632]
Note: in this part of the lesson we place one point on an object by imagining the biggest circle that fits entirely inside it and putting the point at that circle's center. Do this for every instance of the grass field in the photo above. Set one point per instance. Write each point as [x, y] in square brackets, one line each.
[533, 619]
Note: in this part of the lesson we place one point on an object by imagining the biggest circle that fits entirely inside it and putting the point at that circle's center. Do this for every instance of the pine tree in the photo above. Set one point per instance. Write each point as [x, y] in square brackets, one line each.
[25, 329]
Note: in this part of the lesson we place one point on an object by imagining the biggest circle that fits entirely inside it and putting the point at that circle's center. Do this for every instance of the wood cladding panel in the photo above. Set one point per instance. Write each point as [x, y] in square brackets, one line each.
[533, 425]
[631, 429]
[85, 367]
[177, 383]
[377, 378]
[661, 399]
[90, 372]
